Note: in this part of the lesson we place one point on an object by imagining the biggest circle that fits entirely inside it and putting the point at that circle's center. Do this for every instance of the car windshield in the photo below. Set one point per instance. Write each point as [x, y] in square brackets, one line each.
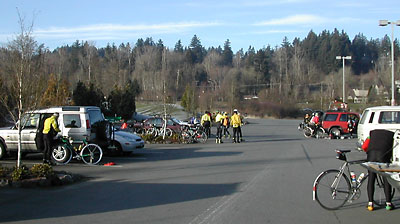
[364, 116]
[176, 120]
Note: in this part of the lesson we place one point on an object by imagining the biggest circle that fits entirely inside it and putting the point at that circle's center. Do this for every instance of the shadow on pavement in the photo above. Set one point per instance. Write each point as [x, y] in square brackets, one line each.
[101, 196]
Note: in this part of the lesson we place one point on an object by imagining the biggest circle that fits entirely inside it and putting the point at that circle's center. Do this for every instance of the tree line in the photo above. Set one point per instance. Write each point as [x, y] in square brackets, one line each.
[297, 71]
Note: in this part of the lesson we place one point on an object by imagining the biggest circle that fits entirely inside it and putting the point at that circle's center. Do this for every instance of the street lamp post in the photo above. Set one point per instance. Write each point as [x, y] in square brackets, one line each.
[343, 58]
[397, 23]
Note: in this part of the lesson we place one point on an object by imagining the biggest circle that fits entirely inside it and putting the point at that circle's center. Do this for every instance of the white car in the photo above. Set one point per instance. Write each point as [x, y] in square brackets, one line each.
[125, 142]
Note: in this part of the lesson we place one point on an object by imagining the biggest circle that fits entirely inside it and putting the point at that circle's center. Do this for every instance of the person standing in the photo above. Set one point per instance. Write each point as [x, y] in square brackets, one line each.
[226, 124]
[49, 131]
[218, 120]
[206, 123]
[240, 127]
[378, 148]
[236, 122]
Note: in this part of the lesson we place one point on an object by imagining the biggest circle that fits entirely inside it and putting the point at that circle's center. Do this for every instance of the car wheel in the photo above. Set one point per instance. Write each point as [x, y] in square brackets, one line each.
[2, 151]
[61, 154]
[335, 132]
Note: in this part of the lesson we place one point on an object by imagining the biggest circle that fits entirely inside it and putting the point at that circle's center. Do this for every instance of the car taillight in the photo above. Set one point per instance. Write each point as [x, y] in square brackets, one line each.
[87, 124]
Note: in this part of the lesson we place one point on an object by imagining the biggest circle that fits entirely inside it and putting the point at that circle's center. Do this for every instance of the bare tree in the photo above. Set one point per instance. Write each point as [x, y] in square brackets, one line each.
[22, 76]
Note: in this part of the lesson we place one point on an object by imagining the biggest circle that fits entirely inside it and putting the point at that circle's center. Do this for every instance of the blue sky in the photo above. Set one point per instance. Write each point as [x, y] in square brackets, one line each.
[258, 23]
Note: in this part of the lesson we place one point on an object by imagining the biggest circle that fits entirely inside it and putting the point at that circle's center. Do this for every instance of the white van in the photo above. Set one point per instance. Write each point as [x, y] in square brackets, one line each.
[78, 122]
[381, 117]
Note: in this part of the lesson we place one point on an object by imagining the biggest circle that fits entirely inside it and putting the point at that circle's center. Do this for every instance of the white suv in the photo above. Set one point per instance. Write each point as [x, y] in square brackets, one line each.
[382, 117]
[78, 122]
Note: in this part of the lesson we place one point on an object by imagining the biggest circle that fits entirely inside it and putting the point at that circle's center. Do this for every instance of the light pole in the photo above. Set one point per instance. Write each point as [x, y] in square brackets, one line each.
[397, 23]
[343, 58]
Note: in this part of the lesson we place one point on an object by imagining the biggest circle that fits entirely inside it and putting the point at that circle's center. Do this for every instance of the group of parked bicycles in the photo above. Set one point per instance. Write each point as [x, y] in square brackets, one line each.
[191, 133]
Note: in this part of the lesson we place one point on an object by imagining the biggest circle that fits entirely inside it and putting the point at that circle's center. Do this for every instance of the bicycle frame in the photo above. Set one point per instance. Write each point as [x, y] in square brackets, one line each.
[345, 167]
[68, 144]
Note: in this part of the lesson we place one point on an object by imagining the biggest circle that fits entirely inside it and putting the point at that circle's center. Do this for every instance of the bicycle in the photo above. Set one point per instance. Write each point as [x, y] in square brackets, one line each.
[89, 153]
[317, 131]
[192, 134]
[159, 131]
[333, 188]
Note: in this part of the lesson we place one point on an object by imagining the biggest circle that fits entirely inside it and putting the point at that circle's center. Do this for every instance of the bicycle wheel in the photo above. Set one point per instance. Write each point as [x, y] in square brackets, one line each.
[320, 132]
[91, 154]
[184, 137]
[331, 191]
[201, 136]
[168, 132]
[308, 132]
[61, 154]
[379, 193]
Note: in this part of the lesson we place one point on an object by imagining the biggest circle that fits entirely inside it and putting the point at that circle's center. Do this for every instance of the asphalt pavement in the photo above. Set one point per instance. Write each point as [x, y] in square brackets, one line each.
[268, 178]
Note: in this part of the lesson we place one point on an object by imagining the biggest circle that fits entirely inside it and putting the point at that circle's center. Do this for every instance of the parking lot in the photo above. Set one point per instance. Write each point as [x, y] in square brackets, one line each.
[266, 179]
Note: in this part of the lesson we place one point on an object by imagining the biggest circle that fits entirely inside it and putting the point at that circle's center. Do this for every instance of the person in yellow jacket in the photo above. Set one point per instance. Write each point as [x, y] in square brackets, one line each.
[50, 129]
[206, 123]
[219, 118]
[236, 122]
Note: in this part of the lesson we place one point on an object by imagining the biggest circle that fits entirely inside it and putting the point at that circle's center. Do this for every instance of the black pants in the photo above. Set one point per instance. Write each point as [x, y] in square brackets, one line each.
[371, 187]
[377, 156]
[236, 137]
[48, 143]
[226, 130]
[207, 128]
[219, 130]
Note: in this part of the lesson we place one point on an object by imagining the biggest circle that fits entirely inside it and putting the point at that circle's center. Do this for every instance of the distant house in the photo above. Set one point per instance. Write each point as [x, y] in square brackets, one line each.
[359, 96]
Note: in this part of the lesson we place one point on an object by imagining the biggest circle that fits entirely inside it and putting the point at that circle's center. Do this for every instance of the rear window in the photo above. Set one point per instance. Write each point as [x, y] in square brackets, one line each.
[72, 120]
[330, 117]
[95, 116]
[389, 117]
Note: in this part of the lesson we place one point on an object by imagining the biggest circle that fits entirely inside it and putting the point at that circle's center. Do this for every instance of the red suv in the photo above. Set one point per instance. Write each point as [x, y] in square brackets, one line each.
[338, 123]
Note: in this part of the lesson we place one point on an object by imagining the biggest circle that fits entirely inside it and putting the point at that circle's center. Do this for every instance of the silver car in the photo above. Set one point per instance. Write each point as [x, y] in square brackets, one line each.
[125, 142]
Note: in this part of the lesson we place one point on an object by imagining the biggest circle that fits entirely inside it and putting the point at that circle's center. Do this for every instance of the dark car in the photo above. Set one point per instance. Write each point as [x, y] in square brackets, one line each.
[339, 123]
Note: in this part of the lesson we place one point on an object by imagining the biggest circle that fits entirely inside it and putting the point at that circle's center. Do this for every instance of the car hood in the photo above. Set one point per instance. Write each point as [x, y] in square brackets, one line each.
[127, 135]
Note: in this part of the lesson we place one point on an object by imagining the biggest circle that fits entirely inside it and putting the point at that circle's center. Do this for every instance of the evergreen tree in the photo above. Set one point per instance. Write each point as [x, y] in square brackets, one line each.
[197, 50]
[188, 99]
[178, 47]
[227, 54]
[362, 56]
[123, 101]
[84, 96]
